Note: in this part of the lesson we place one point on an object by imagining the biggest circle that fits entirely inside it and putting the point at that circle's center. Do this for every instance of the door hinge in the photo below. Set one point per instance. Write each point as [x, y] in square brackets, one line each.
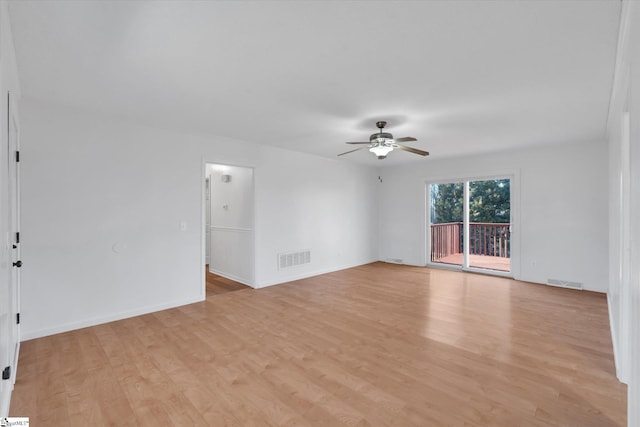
[18, 318]
[17, 157]
[18, 237]
[6, 373]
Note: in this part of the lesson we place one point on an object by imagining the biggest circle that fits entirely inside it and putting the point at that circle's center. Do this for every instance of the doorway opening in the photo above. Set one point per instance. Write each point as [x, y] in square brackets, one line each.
[470, 224]
[229, 225]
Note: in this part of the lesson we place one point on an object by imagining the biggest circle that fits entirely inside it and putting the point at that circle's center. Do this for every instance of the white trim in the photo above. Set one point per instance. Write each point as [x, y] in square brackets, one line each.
[626, 58]
[426, 230]
[6, 402]
[241, 230]
[465, 222]
[15, 120]
[14, 372]
[516, 249]
[620, 61]
[476, 176]
[622, 362]
[488, 272]
[475, 270]
[616, 350]
[203, 228]
[110, 318]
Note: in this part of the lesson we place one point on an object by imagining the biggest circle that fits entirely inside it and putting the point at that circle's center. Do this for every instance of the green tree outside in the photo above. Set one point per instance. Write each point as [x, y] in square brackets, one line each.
[489, 201]
[447, 203]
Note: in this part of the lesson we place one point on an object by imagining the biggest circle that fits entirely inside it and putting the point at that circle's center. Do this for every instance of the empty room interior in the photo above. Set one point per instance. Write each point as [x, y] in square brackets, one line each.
[320, 213]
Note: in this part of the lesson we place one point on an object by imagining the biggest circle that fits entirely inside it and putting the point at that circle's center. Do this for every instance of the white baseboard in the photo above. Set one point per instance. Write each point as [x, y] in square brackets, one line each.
[29, 335]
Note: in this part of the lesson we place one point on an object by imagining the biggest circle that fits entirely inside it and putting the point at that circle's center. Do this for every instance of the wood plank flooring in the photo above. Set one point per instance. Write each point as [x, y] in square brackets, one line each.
[377, 345]
[217, 285]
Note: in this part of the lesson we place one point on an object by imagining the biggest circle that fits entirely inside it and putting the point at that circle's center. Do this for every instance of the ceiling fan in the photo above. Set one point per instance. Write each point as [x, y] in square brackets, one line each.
[382, 143]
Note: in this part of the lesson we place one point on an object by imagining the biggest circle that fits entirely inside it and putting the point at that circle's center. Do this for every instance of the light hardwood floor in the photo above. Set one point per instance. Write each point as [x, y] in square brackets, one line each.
[217, 285]
[376, 345]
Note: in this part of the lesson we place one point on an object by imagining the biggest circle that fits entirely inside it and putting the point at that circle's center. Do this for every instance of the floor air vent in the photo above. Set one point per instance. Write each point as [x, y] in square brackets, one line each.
[291, 259]
[565, 284]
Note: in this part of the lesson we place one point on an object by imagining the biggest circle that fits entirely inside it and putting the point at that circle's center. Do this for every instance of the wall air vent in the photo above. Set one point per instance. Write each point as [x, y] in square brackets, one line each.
[565, 284]
[291, 259]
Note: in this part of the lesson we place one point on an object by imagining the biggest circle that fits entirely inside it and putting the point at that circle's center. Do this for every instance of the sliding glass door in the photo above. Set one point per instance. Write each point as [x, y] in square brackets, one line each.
[447, 231]
[470, 224]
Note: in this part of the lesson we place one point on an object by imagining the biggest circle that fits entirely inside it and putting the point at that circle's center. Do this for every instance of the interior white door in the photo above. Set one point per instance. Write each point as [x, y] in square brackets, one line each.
[14, 239]
[10, 286]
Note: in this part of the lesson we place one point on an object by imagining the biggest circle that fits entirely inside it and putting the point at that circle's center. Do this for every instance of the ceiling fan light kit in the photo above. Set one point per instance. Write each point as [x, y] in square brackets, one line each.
[382, 143]
[381, 150]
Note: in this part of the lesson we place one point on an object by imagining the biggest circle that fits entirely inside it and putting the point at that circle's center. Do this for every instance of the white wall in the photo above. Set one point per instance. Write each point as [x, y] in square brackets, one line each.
[8, 83]
[231, 230]
[311, 204]
[103, 201]
[233, 204]
[562, 209]
[624, 286]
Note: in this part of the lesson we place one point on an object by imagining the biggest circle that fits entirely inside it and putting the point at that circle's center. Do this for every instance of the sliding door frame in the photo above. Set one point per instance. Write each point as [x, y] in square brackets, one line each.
[514, 187]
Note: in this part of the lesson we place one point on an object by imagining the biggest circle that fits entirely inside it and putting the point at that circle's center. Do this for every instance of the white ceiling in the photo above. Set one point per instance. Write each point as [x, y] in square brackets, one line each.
[463, 77]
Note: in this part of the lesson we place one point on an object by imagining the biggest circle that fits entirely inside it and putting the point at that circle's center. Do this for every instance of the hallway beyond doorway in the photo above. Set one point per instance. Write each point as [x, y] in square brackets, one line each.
[217, 285]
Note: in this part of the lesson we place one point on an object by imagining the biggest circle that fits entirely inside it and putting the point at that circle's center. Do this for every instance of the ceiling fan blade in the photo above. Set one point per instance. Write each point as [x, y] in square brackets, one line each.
[412, 150]
[351, 151]
[405, 139]
[357, 142]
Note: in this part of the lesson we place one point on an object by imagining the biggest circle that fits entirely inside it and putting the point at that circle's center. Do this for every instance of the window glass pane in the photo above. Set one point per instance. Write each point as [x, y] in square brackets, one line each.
[447, 210]
[489, 224]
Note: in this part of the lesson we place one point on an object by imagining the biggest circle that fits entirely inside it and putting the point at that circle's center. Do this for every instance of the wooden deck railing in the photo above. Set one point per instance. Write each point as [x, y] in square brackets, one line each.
[484, 239]
[445, 239]
[490, 239]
